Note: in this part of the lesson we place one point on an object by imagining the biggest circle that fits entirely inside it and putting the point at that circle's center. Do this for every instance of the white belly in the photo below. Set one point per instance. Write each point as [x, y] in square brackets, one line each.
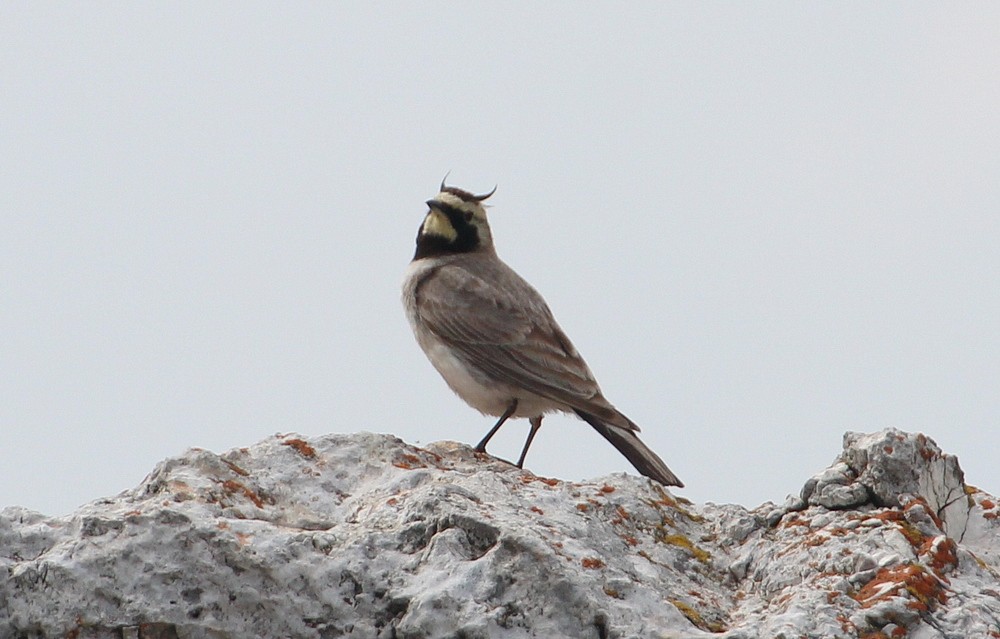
[479, 393]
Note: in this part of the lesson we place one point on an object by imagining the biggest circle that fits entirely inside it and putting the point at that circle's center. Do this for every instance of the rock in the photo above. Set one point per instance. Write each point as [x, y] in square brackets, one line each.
[892, 463]
[365, 536]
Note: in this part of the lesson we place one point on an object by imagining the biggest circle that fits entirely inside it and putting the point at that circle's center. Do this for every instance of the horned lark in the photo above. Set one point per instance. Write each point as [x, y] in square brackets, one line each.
[493, 338]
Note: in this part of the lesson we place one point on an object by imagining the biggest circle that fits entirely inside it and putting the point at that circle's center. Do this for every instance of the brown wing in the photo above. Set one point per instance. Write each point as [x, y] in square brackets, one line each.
[500, 325]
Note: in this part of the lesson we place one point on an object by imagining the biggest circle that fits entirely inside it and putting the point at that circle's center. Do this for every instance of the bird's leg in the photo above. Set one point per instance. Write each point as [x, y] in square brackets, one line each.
[536, 423]
[481, 446]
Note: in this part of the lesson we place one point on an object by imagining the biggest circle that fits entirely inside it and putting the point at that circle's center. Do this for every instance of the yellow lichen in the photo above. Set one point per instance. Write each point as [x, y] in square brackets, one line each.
[683, 542]
[695, 618]
[914, 536]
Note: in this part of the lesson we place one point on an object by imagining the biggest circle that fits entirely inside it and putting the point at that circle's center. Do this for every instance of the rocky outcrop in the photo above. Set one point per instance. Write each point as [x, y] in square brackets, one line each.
[365, 536]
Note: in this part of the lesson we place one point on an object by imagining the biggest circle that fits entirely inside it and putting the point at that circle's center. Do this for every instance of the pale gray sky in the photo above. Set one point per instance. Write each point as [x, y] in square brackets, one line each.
[762, 224]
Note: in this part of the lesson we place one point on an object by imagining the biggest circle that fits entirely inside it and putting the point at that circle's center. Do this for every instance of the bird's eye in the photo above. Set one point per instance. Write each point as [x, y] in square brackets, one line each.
[468, 216]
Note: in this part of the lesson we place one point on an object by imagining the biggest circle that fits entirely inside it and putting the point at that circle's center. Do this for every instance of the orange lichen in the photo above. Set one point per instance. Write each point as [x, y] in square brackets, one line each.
[536, 509]
[845, 623]
[920, 502]
[583, 507]
[942, 554]
[528, 478]
[406, 461]
[302, 447]
[816, 540]
[592, 563]
[233, 486]
[924, 451]
[607, 489]
[664, 500]
[430, 453]
[236, 469]
[795, 520]
[889, 515]
[912, 579]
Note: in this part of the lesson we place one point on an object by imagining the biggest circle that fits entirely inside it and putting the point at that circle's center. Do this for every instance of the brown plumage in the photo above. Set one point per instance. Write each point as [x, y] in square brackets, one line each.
[493, 338]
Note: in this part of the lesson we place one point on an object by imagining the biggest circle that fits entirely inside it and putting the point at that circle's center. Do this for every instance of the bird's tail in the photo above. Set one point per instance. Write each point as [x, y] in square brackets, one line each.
[628, 443]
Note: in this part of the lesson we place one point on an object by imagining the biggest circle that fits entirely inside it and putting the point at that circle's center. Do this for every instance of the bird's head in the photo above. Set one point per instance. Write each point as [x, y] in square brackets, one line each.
[455, 223]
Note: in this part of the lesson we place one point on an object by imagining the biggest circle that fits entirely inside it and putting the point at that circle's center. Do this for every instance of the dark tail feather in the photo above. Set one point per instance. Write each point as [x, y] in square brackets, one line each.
[627, 442]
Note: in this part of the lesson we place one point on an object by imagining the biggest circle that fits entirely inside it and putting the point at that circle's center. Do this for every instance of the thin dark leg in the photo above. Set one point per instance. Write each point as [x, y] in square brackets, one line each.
[481, 446]
[536, 423]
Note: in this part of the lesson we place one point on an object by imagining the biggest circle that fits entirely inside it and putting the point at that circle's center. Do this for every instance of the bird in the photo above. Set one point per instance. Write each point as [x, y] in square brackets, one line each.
[493, 338]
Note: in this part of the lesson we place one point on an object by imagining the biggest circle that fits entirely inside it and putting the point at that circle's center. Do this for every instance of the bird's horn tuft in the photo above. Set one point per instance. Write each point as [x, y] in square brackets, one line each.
[480, 198]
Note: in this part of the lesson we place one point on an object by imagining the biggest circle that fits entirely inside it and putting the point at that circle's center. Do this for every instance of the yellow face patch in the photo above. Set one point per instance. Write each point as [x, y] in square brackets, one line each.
[437, 223]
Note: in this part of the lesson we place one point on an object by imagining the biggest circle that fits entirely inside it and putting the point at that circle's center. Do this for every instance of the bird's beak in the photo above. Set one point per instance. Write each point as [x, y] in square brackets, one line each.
[434, 204]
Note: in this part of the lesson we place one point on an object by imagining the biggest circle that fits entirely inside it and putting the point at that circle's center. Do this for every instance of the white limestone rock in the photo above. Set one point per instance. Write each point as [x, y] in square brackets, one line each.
[365, 536]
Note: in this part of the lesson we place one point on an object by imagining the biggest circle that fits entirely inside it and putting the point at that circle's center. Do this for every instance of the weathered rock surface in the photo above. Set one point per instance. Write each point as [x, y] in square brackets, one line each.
[365, 536]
